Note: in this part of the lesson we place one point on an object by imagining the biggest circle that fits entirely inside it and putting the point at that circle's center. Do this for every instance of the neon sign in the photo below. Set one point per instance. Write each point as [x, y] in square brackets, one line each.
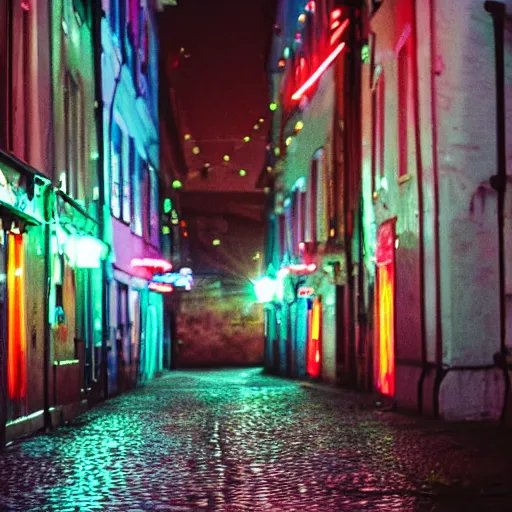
[161, 288]
[181, 279]
[155, 265]
[306, 291]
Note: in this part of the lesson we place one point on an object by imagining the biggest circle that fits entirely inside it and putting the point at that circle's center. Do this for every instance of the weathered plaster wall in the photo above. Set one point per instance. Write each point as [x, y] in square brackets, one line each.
[219, 327]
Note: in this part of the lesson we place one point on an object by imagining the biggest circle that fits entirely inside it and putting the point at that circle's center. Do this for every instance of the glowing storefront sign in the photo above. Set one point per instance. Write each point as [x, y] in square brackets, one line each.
[13, 194]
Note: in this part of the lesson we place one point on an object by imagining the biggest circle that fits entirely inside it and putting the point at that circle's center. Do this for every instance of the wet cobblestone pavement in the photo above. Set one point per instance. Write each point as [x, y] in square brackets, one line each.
[236, 440]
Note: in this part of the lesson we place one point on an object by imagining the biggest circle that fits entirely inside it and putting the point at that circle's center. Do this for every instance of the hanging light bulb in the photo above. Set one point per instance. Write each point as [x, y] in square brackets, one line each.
[196, 150]
[242, 172]
[187, 136]
[261, 120]
[226, 158]
[256, 127]
[273, 106]
[247, 138]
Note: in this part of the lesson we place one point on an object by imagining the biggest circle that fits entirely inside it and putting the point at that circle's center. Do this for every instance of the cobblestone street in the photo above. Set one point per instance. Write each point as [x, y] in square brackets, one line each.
[237, 440]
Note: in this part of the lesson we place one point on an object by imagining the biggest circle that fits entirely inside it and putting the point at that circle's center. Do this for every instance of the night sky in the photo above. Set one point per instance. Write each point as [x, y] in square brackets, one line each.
[221, 87]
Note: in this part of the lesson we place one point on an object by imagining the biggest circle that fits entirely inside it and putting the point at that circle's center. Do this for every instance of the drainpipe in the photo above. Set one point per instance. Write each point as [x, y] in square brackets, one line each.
[48, 214]
[435, 185]
[499, 180]
[419, 180]
[46, 307]
[96, 20]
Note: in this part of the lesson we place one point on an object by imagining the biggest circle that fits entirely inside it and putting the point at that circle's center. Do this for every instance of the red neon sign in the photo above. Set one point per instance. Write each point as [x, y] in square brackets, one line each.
[306, 291]
[155, 265]
[337, 34]
[161, 287]
[297, 95]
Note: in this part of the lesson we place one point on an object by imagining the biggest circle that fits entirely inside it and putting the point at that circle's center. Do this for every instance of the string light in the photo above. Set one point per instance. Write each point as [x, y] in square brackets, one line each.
[273, 106]
[177, 184]
[203, 172]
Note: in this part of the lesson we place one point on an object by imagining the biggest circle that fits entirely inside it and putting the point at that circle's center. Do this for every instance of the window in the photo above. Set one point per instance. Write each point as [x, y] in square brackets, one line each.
[403, 110]
[153, 210]
[74, 134]
[136, 195]
[313, 200]
[378, 119]
[116, 170]
[121, 148]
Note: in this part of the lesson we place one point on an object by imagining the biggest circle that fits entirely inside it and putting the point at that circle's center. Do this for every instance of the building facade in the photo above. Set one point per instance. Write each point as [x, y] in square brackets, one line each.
[131, 148]
[410, 236]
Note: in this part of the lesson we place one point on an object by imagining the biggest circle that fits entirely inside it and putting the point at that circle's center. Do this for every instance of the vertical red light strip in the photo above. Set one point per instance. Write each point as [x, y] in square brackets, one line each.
[314, 343]
[386, 308]
[16, 331]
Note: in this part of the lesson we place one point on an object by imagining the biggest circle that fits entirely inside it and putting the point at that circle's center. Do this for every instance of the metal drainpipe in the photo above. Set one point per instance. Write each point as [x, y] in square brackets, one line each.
[47, 247]
[419, 172]
[46, 307]
[96, 15]
[499, 180]
[435, 172]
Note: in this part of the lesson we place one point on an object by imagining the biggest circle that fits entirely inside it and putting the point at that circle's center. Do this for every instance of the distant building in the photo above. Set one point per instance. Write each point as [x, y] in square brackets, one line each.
[129, 39]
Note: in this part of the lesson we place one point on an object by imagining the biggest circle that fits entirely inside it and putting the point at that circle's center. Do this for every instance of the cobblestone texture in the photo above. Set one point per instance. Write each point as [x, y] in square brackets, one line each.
[236, 440]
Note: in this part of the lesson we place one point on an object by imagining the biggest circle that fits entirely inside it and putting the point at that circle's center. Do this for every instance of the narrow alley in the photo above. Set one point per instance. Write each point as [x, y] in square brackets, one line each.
[239, 440]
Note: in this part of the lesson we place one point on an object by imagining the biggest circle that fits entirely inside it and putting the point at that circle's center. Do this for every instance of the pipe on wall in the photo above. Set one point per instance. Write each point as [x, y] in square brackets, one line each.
[419, 180]
[499, 180]
[435, 171]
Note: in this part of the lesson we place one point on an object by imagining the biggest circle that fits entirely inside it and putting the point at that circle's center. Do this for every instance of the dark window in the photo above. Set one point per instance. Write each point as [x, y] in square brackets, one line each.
[74, 134]
[403, 110]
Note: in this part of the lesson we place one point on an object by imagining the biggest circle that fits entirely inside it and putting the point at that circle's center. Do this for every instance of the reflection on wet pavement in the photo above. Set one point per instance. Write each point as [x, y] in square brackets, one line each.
[231, 440]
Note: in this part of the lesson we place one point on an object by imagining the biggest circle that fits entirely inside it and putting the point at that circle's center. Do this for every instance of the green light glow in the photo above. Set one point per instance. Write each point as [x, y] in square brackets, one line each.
[242, 172]
[216, 242]
[226, 158]
[273, 106]
[277, 151]
[165, 230]
[247, 138]
[177, 184]
[167, 205]
[286, 53]
[265, 289]
[365, 54]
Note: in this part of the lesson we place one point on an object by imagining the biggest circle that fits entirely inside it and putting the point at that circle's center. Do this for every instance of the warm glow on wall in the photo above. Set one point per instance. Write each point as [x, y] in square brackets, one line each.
[16, 330]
